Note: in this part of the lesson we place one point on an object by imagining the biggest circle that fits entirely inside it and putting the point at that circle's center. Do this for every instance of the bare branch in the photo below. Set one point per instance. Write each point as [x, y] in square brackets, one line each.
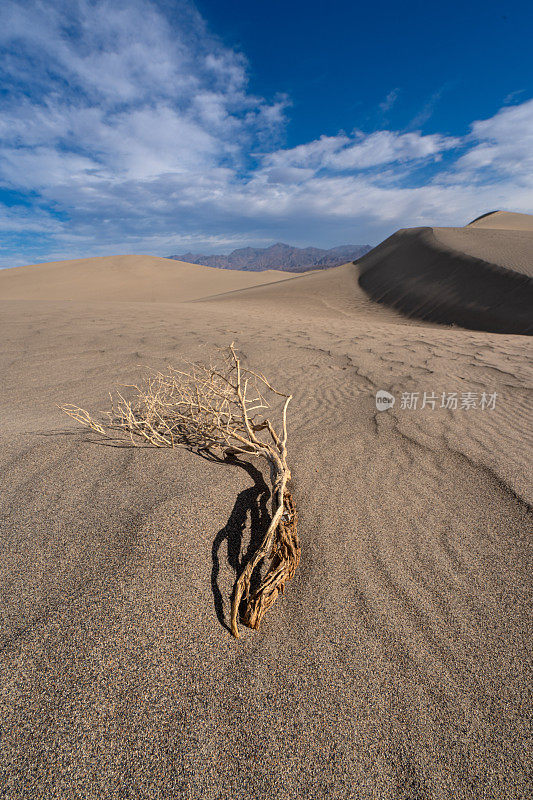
[215, 408]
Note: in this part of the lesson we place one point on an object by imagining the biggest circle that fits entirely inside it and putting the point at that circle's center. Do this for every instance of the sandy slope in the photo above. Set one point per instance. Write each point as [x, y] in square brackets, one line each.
[136, 278]
[504, 220]
[398, 663]
[479, 278]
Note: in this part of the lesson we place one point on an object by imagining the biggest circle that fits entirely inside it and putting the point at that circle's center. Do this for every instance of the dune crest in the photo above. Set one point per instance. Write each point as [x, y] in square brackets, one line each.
[129, 278]
[474, 277]
[503, 220]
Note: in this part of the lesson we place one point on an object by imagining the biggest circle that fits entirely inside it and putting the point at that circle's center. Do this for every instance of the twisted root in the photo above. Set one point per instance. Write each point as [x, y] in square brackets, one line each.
[285, 557]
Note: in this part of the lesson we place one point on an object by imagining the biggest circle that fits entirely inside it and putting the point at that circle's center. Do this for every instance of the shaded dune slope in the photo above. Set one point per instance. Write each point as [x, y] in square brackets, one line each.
[124, 278]
[473, 277]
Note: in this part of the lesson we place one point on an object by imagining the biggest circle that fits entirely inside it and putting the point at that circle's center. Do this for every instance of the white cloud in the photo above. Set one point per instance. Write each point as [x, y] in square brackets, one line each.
[128, 132]
[389, 100]
[359, 152]
[503, 144]
[385, 147]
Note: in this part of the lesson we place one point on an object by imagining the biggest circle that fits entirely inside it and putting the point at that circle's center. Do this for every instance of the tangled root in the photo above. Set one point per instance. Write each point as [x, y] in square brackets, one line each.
[285, 557]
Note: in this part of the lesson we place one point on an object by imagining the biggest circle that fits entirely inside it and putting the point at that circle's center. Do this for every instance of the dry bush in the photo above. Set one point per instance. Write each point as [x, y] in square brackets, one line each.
[219, 409]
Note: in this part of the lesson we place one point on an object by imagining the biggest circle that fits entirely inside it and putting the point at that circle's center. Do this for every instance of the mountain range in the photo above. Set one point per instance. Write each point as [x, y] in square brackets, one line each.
[279, 256]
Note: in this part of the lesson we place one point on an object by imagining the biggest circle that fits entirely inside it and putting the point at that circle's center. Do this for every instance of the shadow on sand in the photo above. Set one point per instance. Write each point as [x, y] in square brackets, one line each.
[250, 510]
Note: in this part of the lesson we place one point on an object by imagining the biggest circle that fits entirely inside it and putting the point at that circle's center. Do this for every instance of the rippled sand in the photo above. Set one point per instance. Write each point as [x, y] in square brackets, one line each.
[398, 662]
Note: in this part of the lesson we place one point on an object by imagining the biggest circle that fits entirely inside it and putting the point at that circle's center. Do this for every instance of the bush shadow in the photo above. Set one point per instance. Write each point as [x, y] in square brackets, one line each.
[251, 504]
[249, 511]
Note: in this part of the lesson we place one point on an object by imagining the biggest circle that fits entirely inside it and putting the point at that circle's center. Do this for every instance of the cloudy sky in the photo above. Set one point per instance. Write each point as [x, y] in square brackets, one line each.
[160, 126]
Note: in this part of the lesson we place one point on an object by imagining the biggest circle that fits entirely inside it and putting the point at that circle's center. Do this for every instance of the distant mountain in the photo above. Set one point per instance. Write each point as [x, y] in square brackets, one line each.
[280, 256]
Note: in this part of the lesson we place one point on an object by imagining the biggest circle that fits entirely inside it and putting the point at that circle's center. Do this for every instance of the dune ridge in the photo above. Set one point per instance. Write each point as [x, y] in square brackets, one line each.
[503, 220]
[477, 278]
[135, 278]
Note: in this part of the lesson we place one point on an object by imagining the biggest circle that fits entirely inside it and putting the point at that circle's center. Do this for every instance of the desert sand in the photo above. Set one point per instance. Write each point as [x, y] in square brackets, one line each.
[125, 278]
[398, 662]
[479, 276]
[503, 220]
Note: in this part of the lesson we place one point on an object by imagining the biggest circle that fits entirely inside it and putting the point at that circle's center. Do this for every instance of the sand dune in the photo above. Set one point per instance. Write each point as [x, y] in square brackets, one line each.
[124, 278]
[504, 220]
[398, 662]
[477, 277]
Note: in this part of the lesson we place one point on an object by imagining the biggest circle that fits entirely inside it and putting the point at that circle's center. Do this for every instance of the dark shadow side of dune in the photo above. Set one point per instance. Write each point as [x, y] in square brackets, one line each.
[415, 273]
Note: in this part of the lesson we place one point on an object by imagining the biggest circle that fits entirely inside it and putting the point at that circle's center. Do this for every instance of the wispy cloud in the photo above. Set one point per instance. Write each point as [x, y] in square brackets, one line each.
[426, 112]
[389, 100]
[124, 130]
[513, 96]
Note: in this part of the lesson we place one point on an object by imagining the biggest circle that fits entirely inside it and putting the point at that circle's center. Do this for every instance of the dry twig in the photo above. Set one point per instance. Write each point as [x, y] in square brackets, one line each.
[219, 408]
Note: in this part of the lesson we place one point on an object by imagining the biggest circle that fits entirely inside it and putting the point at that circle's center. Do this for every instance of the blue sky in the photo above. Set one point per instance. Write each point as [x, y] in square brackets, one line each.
[159, 126]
